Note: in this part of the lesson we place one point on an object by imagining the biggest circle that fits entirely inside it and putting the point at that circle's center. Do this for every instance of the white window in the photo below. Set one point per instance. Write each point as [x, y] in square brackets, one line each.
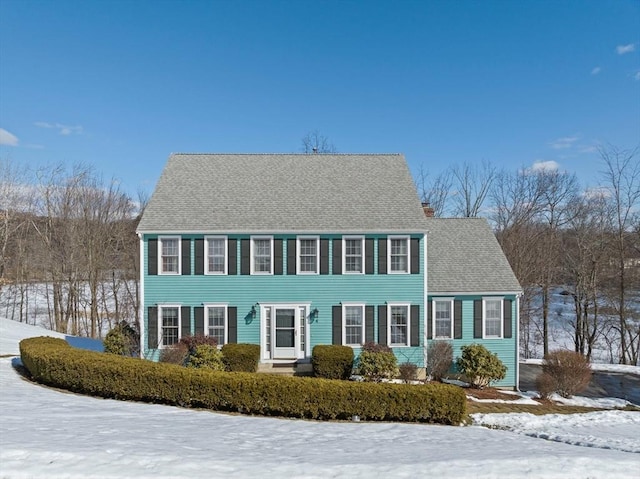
[169, 327]
[398, 254]
[443, 318]
[308, 255]
[262, 255]
[216, 323]
[492, 315]
[216, 247]
[353, 254]
[169, 253]
[398, 324]
[353, 324]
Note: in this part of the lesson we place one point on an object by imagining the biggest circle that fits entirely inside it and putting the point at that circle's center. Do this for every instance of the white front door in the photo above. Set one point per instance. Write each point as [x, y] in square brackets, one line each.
[285, 335]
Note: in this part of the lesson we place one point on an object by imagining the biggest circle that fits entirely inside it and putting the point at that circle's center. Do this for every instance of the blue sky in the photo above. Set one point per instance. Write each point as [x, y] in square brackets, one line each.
[120, 85]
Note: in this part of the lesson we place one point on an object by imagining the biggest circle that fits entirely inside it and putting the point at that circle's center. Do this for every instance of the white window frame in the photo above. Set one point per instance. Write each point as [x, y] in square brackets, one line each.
[161, 240]
[226, 320]
[299, 250]
[253, 264]
[407, 306]
[206, 254]
[344, 324]
[407, 239]
[433, 316]
[161, 326]
[484, 317]
[344, 254]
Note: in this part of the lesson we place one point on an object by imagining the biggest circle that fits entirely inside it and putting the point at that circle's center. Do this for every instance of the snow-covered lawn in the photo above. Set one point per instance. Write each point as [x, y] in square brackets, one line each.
[46, 433]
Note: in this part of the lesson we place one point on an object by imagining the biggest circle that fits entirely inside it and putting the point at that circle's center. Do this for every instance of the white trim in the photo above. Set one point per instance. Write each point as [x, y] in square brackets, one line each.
[344, 254]
[317, 240]
[252, 259]
[408, 240]
[162, 306]
[160, 266]
[484, 317]
[206, 254]
[517, 347]
[344, 323]
[475, 293]
[141, 308]
[225, 306]
[408, 308]
[425, 331]
[433, 317]
[265, 355]
[282, 232]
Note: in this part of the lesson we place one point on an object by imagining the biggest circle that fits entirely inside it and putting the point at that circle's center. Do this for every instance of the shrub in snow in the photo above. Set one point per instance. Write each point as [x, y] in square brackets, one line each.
[564, 372]
[54, 362]
[480, 366]
[241, 357]
[206, 356]
[123, 339]
[439, 359]
[408, 372]
[332, 361]
[377, 362]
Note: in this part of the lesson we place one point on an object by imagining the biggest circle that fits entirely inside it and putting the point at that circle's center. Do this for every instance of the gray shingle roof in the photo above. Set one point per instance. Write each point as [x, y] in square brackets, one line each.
[271, 193]
[464, 256]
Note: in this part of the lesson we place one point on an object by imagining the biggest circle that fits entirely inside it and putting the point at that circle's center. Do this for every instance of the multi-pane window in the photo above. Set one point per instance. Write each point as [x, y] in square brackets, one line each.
[443, 318]
[493, 318]
[216, 255]
[307, 255]
[170, 317]
[353, 252]
[262, 255]
[399, 325]
[169, 255]
[398, 255]
[353, 324]
[216, 323]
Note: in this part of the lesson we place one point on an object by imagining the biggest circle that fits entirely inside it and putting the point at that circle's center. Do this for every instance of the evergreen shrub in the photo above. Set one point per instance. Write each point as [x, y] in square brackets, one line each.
[332, 361]
[241, 357]
[377, 362]
[123, 339]
[480, 366]
[206, 356]
[54, 362]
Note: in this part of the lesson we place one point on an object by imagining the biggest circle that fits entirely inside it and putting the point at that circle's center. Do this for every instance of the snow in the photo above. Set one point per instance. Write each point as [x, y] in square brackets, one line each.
[46, 433]
[611, 368]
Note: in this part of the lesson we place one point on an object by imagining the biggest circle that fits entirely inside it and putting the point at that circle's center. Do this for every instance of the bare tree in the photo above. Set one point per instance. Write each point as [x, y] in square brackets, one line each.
[471, 184]
[316, 142]
[622, 182]
[436, 191]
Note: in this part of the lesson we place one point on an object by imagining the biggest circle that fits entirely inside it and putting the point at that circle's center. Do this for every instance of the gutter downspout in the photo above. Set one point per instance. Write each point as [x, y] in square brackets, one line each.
[141, 305]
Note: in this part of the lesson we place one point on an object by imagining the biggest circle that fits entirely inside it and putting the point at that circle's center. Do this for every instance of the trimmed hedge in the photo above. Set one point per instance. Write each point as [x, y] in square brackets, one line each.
[332, 361]
[240, 357]
[53, 362]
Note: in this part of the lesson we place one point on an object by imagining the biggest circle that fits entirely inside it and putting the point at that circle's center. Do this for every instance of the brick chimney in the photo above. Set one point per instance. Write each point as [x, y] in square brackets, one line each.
[428, 210]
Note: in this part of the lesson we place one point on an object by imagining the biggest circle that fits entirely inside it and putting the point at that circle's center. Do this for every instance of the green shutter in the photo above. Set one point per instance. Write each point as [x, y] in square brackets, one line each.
[198, 314]
[152, 327]
[382, 324]
[232, 320]
[186, 257]
[368, 256]
[415, 256]
[369, 324]
[199, 256]
[415, 325]
[291, 256]
[457, 319]
[152, 256]
[185, 319]
[324, 256]
[245, 257]
[429, 319]
[477, 318]
[232, 252]
[508, 318]
[336, 330]
[277, 256]
[337, 256]
[382, 256]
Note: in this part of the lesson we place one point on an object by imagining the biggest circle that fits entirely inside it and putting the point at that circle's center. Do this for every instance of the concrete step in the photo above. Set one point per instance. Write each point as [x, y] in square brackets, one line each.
[286, 368]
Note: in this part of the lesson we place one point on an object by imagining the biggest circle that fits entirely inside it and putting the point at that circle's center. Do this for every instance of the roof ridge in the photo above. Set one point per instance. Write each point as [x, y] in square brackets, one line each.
[285, 154]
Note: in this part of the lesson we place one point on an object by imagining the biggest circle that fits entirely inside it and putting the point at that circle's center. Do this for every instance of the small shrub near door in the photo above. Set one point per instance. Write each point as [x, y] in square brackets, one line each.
[480, 366]
[564, 372]
[332, 361]
[439, 359]
[241, 357]
[377, 362]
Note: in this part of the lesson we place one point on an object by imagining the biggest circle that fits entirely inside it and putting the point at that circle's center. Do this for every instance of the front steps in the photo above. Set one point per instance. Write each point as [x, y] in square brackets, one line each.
[286, 368]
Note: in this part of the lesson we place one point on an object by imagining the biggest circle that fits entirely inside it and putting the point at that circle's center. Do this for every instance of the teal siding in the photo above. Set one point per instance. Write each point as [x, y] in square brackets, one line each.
[320, 291]
[505, 348]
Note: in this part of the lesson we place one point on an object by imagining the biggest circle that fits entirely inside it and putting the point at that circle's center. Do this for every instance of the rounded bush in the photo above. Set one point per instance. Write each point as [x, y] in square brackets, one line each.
[241, 357]
[207, 357]
[565, 372]
[123, 340]
[480, 366]
[376, 366]
[332, 361]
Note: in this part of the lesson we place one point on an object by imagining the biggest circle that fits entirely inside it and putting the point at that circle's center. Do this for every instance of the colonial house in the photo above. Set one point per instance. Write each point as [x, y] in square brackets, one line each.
[293, 250]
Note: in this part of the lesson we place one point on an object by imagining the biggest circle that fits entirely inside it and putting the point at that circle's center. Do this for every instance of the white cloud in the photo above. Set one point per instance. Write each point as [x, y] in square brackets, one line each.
[596, 70]
[544, 165]
[563, 143]
[622, 49]
[7, 138]
[62, 129]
